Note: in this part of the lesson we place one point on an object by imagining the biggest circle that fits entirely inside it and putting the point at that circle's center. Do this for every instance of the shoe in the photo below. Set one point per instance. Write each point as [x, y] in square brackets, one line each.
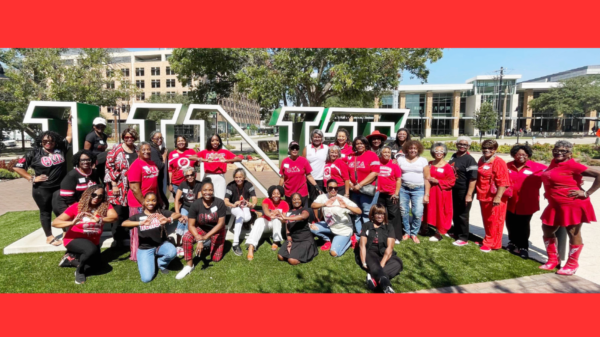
[485, 249]
[552, 252]
[79, 278]
[65, 261]
[184, 272]
[511, 247]
[165, 271]
[388, 290]
[524, 253]
[353, 241]
[415, 239]
[460, 243]
[371, 283]
[180, 252]
[274, 246]
[326, 246]
[573, 262]
[405, 237]
[397, 242]
[237, 250]
[433, 239]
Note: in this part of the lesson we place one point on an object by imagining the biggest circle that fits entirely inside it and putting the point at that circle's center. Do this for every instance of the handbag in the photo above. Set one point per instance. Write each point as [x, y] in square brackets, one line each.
[368, 189]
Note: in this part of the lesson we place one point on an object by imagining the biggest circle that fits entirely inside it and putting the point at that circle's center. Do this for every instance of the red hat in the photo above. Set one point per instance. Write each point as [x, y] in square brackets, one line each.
[376, 133]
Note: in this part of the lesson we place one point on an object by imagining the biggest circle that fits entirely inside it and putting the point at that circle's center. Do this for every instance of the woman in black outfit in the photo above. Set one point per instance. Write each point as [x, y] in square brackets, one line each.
[376, 248]
[300, 246]
[75, 182]
[159, 157]
[49, 163]
[96, 141]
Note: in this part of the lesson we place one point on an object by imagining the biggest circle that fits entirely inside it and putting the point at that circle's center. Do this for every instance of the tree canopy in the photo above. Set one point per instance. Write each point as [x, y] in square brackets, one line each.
[299, 76]
[486, 118]
[574, 95]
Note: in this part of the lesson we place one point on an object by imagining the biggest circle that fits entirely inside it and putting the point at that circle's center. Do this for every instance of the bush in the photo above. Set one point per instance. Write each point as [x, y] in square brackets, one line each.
[6, 174]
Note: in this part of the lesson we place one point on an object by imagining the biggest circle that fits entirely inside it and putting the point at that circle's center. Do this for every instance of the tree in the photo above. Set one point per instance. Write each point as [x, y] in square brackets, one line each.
[486, 119]
[578, 95]
[42, 74]
[300, 76]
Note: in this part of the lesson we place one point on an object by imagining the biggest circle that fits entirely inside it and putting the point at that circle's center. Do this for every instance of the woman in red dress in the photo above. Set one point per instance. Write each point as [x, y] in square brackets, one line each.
[568, 205]
[439, 180]
[492, 182]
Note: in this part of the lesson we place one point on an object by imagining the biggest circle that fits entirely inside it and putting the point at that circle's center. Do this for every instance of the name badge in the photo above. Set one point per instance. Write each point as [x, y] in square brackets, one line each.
[142, 218]
[288, 213]
[82, 180]
[175, 155]
[527, 172]
[343, 155]
[213, 209]
[185, 190]
[286, 165]
[441, 170]
[127, 156]
[485, 167]
[101, 142]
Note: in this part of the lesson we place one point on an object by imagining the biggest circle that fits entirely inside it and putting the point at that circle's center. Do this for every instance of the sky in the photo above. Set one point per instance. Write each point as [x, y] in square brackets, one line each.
[458, 65]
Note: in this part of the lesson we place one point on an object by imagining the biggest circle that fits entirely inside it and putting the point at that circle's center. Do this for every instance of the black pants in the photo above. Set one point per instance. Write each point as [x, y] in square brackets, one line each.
[392, 268]
[89, 254]
[460, 216]
[393, 210]
[519, 228]
[118, 232]
[43, 199]
[313, 193]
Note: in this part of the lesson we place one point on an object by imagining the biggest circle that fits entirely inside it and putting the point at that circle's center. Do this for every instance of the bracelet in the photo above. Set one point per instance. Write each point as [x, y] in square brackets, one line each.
[32, 179]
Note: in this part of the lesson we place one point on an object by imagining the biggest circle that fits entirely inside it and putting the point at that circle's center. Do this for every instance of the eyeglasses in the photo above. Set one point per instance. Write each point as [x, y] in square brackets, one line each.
[560, 151]
[99, 196]
[462, 145]
[332, 188]
[129, 138]
[294, 149]
[487, 148]
[85, 160]
[190, 175]
[438, 152]
[47, 142]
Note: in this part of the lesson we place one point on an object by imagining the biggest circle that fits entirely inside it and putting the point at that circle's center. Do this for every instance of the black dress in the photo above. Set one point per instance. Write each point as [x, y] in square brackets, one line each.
[304, 248]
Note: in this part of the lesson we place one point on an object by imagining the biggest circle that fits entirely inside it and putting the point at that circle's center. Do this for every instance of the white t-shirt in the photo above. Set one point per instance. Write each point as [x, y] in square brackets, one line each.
[412, 173]
[337, 218]
[316, 157]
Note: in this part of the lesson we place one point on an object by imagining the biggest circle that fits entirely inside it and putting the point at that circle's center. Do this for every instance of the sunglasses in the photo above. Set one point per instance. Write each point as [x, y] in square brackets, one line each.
[332, 188]
[294, 148]
[47, 142]
[190, 175]
[560, 151]
[129, 138]
[95, 195]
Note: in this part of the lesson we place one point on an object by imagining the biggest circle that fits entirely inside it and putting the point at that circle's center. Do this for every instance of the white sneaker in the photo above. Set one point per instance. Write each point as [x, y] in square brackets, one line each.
[460, 243]
[397, 242]
[184, 272]
[433, 239]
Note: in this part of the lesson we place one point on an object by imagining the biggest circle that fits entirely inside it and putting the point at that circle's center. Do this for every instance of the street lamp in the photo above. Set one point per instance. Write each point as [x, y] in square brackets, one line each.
[117, 112]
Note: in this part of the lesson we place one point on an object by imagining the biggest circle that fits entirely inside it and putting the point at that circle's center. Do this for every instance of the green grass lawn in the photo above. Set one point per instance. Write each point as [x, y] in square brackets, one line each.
[428, 265]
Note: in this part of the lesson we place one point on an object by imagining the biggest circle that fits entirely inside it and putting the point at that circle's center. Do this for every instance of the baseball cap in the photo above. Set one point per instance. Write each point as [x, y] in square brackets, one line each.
[294, 143]
[99, 121]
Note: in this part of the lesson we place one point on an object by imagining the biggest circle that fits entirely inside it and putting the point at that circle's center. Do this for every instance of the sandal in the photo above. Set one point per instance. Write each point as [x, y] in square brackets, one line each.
[405, 237]
[55, 241]
[415, 239]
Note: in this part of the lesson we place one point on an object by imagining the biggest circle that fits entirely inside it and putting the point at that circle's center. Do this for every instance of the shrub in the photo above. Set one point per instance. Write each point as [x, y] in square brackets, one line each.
[6, 174]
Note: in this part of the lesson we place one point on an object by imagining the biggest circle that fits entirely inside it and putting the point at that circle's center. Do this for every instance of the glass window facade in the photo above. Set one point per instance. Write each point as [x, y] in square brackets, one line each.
[441, 105]
[387, 102]
[416, 103]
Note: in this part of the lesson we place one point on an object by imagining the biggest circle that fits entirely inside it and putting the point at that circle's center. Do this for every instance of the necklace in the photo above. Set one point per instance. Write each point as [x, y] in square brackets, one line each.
[488, 160]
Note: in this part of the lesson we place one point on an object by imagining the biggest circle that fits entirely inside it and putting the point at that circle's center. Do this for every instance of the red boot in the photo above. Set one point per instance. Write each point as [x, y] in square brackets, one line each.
[572, 263]
[552, 254]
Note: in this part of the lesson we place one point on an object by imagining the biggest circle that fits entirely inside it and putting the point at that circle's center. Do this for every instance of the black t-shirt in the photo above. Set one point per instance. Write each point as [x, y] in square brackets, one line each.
[465, 168]
[53, 165]
[299, 230]
[378, 235]
[73, 186]
[207, 217]
[151, 236]
[233, 192]
[98, 142]
[189, 195]
[131, 157]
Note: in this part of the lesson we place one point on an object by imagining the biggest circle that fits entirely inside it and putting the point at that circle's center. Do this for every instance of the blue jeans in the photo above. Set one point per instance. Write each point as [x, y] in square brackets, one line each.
[364, 202]
[414, 196]
[340, 243]
[146, 260]
[182, 227]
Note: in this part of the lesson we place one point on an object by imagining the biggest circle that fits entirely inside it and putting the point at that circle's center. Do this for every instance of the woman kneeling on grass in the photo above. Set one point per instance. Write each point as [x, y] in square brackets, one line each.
[85, 220]
[153, 237]
[375, 253]
[300, 246]
[206, 221]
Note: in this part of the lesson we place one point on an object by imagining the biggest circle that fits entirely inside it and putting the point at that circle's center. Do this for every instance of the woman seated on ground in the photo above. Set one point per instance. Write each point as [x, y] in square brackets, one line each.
[439, 179]
[153, 237]
[206, 221]
[336, 212]
[241, 198]
[85, 221]
[300, 246]
[375, 253]
[76, 181]
[273, 208]
[187, 193]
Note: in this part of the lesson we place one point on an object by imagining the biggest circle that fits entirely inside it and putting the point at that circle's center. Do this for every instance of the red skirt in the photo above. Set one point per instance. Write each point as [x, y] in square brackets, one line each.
[568, 214]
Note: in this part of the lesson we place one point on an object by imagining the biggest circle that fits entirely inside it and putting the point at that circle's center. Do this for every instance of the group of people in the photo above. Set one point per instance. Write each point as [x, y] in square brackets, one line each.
[363, 191]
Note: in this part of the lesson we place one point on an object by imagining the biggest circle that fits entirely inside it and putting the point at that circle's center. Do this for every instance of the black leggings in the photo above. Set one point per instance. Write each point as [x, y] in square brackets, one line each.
[43, 199]
[460, 215]
[392, 268]
[519, 229]
[89, 253]
[393, 210]
[118, 232]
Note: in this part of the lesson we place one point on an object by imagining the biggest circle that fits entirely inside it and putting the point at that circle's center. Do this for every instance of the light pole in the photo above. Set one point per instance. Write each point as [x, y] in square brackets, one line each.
[117, 112]
[499, 97]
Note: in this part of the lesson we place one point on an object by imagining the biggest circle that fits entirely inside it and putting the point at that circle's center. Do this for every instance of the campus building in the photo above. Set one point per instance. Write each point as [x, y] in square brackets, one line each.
[449, 109]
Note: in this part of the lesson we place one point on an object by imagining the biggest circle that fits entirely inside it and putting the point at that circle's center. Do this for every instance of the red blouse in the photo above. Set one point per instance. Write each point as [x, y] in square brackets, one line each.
[495, 171]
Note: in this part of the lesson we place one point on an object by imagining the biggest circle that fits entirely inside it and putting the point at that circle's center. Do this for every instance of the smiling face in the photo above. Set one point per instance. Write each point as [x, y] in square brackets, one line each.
[296, 201]
[462, 146]
[360, 146]
[157, 139]
[150, 202]
[181, 143]
[190, 176]
[97, 197]
[401, 135]
[521, 157]
[332, 187]
[276, 196]
[85, 162]
[376, 142]
[48, 143]
[413, 151]
[317, 139]
[560, 154]
[488, 151]
[129, 139]
[145, 152]
[333, 154]
[439, 152]
[341, 138]
[215, 143]
[239, 178]
[208, 191]
[386, 154]
[379, 217]
[99, 128]
[294, 151]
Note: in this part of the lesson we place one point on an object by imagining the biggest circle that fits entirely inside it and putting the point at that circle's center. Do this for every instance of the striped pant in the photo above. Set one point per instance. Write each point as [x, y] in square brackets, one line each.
[134, 241]
[216, 245]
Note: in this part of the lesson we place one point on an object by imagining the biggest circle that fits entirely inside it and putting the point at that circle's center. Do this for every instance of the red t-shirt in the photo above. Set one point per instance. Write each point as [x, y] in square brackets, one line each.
[496, 171]
[346, 150]
[216, 166]
[388, 175]
[176, 162]
[146, 173]
[83, 229]
[363, 165]
[526, 187]
[294, 175]
[338, 171]
[560, 178]
[283, 207]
